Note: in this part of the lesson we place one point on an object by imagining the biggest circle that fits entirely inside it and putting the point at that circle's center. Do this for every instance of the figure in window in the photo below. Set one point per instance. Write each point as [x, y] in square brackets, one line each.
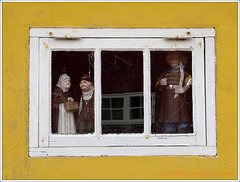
[86, 106]
[174, 83]
[63, 120]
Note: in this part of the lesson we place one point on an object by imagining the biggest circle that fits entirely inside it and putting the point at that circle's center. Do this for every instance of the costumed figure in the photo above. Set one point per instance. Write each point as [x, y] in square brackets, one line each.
[86, 106]
[174, 110]
[63, 121]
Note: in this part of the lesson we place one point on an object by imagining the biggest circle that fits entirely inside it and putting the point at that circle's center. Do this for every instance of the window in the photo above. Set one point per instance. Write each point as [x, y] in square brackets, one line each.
[130, 108]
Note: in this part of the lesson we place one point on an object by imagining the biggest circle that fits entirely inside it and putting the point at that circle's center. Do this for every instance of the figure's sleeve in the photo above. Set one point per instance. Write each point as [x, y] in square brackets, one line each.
[55, 98]
[187, 82]
[157, 85]
[58, 98]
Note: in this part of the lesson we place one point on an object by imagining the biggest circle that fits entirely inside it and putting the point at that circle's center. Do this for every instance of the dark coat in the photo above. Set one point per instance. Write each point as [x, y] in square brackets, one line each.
[85, 119]
[175, 110]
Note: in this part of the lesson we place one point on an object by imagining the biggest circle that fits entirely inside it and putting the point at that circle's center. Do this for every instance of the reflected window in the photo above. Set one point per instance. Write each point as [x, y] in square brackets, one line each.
[112, 108]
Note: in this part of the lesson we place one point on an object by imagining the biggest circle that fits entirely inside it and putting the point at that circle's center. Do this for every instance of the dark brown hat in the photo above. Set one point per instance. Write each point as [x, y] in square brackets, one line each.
[86, 77]
[179, 54]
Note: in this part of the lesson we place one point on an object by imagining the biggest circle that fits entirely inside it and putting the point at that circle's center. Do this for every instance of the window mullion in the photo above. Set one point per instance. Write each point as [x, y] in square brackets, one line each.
[126, 112]
[147, 93]
[97, 83]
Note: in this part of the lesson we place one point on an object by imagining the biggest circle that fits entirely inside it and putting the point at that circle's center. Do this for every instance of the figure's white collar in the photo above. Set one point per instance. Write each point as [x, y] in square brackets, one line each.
[87, 95]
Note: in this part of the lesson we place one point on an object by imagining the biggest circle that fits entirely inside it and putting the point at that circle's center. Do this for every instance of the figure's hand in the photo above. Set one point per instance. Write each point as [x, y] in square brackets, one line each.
[163, 81]
[70, 99]
[179, 90]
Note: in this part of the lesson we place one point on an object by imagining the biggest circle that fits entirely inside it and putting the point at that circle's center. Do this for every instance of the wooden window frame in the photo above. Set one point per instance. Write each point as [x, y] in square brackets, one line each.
[201, 41]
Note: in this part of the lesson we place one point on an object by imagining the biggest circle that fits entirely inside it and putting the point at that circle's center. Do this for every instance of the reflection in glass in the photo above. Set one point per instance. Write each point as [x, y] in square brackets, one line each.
[122, 91]
[171, 84]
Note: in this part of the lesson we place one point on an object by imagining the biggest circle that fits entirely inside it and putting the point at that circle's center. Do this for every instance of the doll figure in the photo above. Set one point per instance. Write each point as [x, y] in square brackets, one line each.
[86, 106]
[173, 84]
[63, 122]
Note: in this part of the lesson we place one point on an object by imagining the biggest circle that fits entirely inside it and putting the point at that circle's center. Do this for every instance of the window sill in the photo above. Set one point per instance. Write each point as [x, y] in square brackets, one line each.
[122, 151]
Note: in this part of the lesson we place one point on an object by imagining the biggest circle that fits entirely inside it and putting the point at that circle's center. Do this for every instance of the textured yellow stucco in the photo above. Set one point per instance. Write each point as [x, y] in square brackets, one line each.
[19, 17]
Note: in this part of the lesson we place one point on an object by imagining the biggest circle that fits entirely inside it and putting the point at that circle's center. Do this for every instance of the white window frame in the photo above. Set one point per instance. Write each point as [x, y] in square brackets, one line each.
[200, 41]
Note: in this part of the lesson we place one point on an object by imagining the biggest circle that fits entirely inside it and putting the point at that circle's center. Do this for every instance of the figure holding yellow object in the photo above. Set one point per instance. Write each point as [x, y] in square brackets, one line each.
[174, 83]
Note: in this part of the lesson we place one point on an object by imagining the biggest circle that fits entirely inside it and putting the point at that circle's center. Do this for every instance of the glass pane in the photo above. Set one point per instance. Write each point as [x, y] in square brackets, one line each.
[136, 114]
[105, 103]
[171, 91]
[72, 92]
[117, 114]
[122, 78]
[117, 103]
[136, 101]
[106, 114]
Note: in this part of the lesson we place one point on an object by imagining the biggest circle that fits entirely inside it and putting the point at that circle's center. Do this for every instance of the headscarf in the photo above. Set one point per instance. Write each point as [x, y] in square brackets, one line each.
[60, 81]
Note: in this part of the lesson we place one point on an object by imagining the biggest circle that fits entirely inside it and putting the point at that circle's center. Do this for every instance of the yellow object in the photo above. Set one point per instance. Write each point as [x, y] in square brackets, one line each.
[19, 17]
[186, 80]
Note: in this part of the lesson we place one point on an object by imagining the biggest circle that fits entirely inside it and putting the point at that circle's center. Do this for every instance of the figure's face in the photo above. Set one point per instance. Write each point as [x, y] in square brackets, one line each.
[85, 85]
[174, 62]
[66, 83]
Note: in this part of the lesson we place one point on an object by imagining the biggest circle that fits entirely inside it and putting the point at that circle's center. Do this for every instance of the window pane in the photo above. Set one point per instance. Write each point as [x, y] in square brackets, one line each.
[106, 114]
[117, 102]
[136, 114]
[117, 114]
[105, 103]
[136, 101]
[171, 73]
[122, 78]
[72, 92]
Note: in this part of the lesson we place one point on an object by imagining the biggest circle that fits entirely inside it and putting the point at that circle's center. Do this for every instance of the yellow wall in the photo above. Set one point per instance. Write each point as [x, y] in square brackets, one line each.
[19, 17]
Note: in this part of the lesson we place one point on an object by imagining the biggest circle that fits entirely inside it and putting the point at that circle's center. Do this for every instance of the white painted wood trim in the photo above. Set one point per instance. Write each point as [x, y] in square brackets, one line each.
[44, 92]
[98, 92]
[175, 33]
[121, 39]
[122, 151]
[210, 91]
[122, 140]
[33, 92]
[147, 92]
[199, 91]
[123, 44]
